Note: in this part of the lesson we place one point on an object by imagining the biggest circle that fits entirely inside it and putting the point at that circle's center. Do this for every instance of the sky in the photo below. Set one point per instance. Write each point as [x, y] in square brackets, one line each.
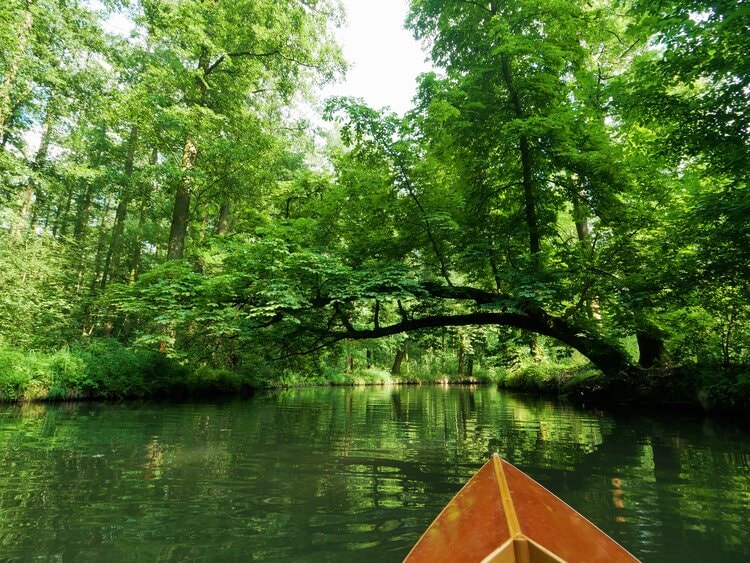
[384, 58]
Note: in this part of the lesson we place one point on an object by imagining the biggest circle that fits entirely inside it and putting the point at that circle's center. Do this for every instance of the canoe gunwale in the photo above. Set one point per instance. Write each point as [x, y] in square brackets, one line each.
[501, 515]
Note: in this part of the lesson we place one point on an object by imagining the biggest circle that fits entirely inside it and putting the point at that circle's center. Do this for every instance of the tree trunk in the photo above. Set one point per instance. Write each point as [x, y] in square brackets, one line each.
[98, 272]
[650, 350]
[607, 356]
[134, 267]
[527, 169]
[60, 225]
[29, 194]
[401, 354]
[135, 259]
[222, 227]
[650, 345]
[181, 211]
[580, 218]
[536, 350]
[82, 215]
[112, 261]
[529, 197]
[727, 334]
[527, 177]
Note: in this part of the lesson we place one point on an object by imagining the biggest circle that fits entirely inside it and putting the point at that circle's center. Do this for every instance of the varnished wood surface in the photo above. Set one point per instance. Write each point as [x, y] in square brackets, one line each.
[504, 516]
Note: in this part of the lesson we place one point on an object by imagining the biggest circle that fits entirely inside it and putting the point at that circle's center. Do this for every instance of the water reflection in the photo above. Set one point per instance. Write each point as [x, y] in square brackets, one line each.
[327, 474]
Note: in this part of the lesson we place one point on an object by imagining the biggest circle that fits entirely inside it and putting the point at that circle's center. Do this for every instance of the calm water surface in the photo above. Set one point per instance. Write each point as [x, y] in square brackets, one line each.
[351, 475]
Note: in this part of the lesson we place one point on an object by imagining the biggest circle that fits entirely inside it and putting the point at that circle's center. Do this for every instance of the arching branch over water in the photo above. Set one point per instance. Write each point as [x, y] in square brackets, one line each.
[607, 356]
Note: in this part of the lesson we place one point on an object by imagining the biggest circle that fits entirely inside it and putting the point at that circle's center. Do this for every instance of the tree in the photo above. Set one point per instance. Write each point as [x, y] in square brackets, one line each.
[688, 90]
[217, 67]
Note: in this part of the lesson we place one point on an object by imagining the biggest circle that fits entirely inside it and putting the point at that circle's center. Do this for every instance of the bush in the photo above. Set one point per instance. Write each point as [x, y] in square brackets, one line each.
[101, 369]
[67, 375]
[13, 378]
[207, 381]
[371, 376]
[724, 389]
[550, 377]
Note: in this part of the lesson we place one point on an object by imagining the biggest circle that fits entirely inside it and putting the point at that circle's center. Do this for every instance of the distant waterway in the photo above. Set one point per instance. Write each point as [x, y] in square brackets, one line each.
[350, 474]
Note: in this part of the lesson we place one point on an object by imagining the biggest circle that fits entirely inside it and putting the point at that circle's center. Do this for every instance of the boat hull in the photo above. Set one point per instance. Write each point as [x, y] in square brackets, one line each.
[502, 515]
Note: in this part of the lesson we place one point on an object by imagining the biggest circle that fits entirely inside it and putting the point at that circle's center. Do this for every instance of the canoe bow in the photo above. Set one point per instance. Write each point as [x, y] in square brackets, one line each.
[503, 516]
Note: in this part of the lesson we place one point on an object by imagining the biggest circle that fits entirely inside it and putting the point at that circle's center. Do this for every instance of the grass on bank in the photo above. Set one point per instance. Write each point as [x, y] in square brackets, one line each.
[105, 369]
[712, 388]
[378, 376]
[550, 378]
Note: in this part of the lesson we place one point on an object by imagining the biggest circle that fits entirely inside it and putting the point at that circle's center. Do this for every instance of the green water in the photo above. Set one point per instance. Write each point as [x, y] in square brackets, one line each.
[351, 475]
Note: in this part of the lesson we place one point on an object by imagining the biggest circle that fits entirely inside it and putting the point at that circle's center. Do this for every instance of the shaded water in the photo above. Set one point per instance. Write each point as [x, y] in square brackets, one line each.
[351, 474]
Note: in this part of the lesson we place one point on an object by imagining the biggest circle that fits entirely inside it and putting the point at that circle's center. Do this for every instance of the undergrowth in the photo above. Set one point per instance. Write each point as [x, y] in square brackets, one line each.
[104, 369]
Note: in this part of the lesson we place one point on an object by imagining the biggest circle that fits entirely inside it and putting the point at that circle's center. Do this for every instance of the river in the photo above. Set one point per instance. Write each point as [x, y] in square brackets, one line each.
[344, 474]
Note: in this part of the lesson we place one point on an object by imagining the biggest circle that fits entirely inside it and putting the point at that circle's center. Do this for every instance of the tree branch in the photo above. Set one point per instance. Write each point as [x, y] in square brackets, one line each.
[212, 67]
[275, 53]
[609, 357]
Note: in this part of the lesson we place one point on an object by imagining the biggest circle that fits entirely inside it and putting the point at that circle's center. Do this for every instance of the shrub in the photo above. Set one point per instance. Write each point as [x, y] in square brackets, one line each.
[550, 377]
[21, 373]
[207, 381]
[724, 389]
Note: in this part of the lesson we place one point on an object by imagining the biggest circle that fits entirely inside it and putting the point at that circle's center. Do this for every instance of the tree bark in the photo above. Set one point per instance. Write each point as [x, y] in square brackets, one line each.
[60, 224]
[527, 166]
[82, 215]
[134, 268]
[651, 347]
[135, 259]
[112, 260]
[580, 218]
[401, 354]
[181, 211]
[608, 357]
[604, 354]
[529, 197]
[222, 226]
[349, 360]
[29, 194]
[97, 272]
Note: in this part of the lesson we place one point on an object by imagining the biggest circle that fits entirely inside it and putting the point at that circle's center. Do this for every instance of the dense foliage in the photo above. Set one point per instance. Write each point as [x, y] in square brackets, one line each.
[571, 185]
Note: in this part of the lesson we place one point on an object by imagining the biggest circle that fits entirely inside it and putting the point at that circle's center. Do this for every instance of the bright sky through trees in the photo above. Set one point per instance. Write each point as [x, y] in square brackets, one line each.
[385, 59]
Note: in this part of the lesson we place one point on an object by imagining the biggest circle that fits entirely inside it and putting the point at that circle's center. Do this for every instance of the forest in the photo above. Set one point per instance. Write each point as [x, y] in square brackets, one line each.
[565, 208]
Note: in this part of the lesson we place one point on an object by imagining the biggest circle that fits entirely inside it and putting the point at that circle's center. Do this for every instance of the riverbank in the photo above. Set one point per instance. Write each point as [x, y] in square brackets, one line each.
[707, 388]
[106, 370]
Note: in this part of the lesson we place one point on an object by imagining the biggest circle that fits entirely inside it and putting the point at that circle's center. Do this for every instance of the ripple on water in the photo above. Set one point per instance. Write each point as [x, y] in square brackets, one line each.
[344, 474]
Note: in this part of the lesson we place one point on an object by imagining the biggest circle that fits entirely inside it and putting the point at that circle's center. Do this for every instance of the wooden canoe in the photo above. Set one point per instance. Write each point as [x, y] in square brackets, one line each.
[502, 515]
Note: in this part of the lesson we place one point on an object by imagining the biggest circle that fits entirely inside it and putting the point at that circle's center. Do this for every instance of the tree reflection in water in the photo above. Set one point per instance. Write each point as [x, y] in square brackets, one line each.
[322, 473]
